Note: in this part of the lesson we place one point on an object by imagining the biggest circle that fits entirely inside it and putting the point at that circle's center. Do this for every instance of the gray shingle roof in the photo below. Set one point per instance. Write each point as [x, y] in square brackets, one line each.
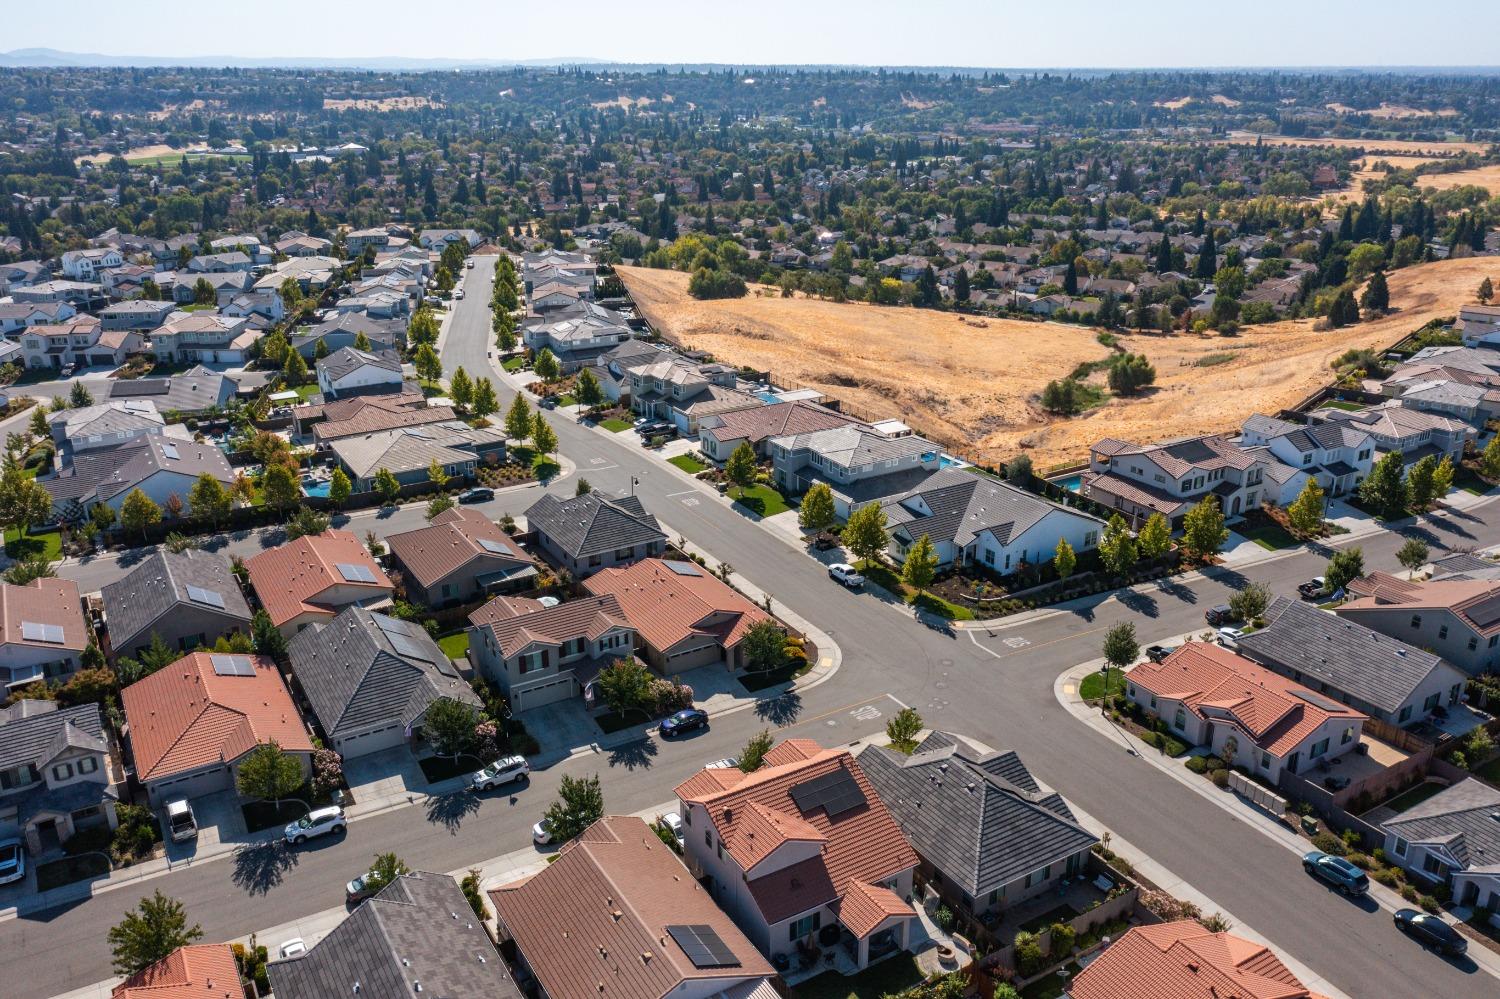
[980, 818]
[346, 360]
[1461, 818]
[27, 737]
[192, 391]
[356, 674]
[160, 583]
[964, 505]
[1349, 658]
[418, 928]
[593, 523]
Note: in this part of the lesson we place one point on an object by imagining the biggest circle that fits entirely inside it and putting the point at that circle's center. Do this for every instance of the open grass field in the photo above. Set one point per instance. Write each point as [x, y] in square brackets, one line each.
[142, 154]
[974, 388]
[1407, 147]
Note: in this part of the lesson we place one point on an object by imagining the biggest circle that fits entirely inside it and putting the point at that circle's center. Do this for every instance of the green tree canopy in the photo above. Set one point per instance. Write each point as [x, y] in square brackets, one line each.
[268, 774]
[579, 804]
[864, 533]
[920, 566]
[156, 927]
[1203, 530]
[817, 510]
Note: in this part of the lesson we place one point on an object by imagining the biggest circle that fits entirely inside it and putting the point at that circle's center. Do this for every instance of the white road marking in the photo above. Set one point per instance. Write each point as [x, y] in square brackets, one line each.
[690, 501]
[685, 492]
[1018, 642]
[867, 713]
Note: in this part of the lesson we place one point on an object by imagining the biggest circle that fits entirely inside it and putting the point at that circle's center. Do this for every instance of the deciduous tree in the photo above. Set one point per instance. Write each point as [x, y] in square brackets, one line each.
[518, 419]
[920, 565]
[1064, 559]
[449, 723]
[139, 513]
[1117, 548]
[755, 751]
[1345, 565]
[1305, 514]
[740, 467]
[268, 774]
[765, 646]
[543, 437]
[1203, 530]
[1155, 536]
[156, 927]
[864, 533]
[817, 511]
[579, 804]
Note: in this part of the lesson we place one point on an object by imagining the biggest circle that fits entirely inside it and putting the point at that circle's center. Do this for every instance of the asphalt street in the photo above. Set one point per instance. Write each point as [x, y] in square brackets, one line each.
[996, 686]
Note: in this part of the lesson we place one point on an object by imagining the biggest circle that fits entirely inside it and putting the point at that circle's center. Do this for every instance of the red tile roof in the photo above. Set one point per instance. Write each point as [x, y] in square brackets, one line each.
[866, 906]
[451, 542]
[593, 923]
[860, 844]
[43, 601]
[186, 715]
[198, 971]
[501, 608]
[1274, 712]
[289, 579]
[1182, 960]
[666, 607]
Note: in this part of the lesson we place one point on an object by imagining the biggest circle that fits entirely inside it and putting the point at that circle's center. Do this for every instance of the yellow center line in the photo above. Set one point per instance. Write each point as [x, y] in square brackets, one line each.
[835, 711]
[1042, 645]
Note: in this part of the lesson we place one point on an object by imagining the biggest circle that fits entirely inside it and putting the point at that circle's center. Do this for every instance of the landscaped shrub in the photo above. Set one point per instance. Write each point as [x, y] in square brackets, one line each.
[1329, 843]
[1387, 876]
[1219, 777]
[1428, 903]
[1409, 893]
[1352, 839]
[1062, 940]
[1029, 959]
[1360, 860]
[1197, 764]
[1214, 763]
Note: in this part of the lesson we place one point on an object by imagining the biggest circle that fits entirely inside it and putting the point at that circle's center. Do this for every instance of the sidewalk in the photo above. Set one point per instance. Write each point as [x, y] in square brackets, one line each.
[1066, 688]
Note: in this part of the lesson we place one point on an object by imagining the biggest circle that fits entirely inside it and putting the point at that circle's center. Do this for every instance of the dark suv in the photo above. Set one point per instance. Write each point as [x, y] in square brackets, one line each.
[1219, 615]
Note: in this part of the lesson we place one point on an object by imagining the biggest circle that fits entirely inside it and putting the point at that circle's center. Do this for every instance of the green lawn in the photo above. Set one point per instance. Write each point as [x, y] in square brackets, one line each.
[48, 544]
[687, 463]
[456, 645]
[1052, 986]
[307, 391]
[513, 363]
[934, 604]
[69, 870]
[762, 500]
[614, 424]
[1272, 537]
[1348, 407]
[567, 399]
[895, 974]
[204, 307]
[1092, 687]
[1490, 771]
[1414, 797]
[886, 578]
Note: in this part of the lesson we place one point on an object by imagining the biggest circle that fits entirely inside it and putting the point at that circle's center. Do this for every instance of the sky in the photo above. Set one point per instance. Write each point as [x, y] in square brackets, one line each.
[990, 33]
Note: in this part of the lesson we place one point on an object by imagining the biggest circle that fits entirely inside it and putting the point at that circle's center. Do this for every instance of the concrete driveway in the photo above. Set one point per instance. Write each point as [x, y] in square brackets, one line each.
[220, 821]
[385, 777]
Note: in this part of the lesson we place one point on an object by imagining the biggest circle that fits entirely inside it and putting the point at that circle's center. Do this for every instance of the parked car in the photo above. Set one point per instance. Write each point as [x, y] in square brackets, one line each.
[1430, 931]
[182, 824]
[468, 265]
[672, 823]
[479, 494]
[1312, 589]
[687, 720]
[728, 763]
[360, 888]
[1156, 653]
[318, 822]
[548, 402]
[459, 294]
[1220, 614]
[294, 947]
[1229, 637]
[1336, 871]
[509, 770]
[845, 575]
[541, 833]
[12, 861]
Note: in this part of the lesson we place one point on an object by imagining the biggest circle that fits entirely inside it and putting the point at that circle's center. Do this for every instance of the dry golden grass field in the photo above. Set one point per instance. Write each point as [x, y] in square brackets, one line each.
[972, 385]
[141, 153]
[1402, 147]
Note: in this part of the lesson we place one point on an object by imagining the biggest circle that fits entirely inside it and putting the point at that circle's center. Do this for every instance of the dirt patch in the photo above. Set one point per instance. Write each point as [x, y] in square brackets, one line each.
[1226, 102]
[378, 103]
[1173, 105]
[911, 101]
[1392, 112]
[974, 389]
[142, 153]
[625, 103]
[1402, 147]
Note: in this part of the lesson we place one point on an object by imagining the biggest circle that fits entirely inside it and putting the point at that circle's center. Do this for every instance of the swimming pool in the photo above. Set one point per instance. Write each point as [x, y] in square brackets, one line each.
[315, 487]
[1071, 483]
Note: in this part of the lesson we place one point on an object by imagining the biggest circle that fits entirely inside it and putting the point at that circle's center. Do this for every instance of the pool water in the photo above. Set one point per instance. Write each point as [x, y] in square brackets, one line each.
[1072, 483]
[316, 487]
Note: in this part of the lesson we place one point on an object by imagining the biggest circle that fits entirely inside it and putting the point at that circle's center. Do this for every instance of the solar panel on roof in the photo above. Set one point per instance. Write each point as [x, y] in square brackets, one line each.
[493, 547]
[835, 792]
[354, 573]
[703, 946]
[407, 646]
[199, 595]
[1485, 613]
[682, 568]
[1318, 699]
[232, 665]
[34, 632]
[170, 450]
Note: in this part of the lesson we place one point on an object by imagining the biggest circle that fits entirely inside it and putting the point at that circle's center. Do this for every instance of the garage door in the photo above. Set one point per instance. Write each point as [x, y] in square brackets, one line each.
[190, 786]
[559, 689]
[370, 742]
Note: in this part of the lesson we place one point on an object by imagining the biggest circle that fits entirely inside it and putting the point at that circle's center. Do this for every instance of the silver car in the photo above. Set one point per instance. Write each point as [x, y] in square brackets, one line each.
[510, 769]
[12, 861]
[318, 822]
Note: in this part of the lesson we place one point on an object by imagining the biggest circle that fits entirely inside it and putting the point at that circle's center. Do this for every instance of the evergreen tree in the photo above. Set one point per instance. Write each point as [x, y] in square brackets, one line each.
[1163, 255]
[1384, 489]
[961, 285]
[1377, 297]
[1208, 259]
[1486, 291]
[1070, 279]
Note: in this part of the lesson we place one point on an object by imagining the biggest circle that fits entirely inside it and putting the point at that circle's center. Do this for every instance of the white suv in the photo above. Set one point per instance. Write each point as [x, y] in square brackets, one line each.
[511, 768]
[318, 822]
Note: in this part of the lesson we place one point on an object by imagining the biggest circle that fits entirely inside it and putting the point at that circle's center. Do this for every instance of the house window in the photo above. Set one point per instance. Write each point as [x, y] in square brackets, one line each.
[1091, 539]
[1179, 720]
[1265, 761]
[1348, 735]
[621, 554]
[1037, 877]
[595, 560]
[1432, 701]
[88, 765]
[1318, 749]
[804, 927]
[1399, 848]
[1153, 701]
[1432, 865]
[62, 771]
[532, 661]
[1473, 644]
[708, 838]
[1416, 620]
[989, 556]
[1443, 631]
[1493, 640]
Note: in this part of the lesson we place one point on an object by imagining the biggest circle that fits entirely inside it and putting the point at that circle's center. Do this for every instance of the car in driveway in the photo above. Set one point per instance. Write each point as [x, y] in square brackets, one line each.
[1217, 615]
[845, 575]
[479, 494]
[12, 861]
[541, 833]
[1156, 653]
[510, 770]
[1312, 589]
[684, 721]
[1336, 871]
[672, 823]
[1228, 637]
[318, 822]
[182, 824]
[1430, 931]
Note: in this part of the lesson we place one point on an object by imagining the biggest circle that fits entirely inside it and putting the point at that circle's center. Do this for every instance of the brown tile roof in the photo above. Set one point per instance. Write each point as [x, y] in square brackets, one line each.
[502, 607]
[1135, 492]
[1182, 960]
[776, 420]
[862, 843]
[198, 971]
[866, 906]
[1476, 601]
[186, 715]
[666, 607]
[450, 542]
[43, 601]
[587, 618]
[289, 579]
[1272, 710]
[593, 923]
[368, 414]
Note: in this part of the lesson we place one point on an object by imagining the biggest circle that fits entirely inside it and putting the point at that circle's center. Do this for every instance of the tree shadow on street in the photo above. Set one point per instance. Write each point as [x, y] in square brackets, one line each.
[640, 753]
[259, 867]
[781, 710]
[450, 810]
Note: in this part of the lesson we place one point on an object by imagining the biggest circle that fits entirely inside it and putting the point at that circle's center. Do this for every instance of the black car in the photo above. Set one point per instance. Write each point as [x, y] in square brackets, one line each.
[548, 402]
[479, 494]
[684, 721]
[1430, 931]
[1218, 615]
[1157, 653]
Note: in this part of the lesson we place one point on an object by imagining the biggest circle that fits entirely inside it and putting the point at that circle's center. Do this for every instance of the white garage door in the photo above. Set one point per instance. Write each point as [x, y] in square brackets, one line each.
[190, 786]
[548, 693]
[370, 742]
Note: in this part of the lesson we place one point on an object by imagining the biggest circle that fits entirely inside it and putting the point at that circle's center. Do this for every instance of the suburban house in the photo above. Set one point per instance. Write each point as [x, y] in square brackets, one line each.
[104, 425]
[309, 580]
[197, 971]
[54, 773]
[1209, 696]
[538, 655]
[367, 414]
[460, 555]
[417, 935]
[262, 306]
[801, 845]
[586, 533]
[682, 392]
[1459, 619]
[160, 467]
[1381, 676]
[577, 341]
[344, 329]
[686, 617]
[437, 239]
[987, 834]
[1183, 960]
[136, 314]
[191, 723]
[976, 520]
[408, 452]
[371, 678]
[860, 464]
[720, 435]
[206, 337]
[17, 316]
[1337, 455]
[1451, 838]
[42, 631]
[348, 371]
[1412, 432]
[1479, 325]
[612, 368]
[196, 390]
[638, 926]
[85, 265]
[80, 341]
[188, 598]
[1170, 479]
